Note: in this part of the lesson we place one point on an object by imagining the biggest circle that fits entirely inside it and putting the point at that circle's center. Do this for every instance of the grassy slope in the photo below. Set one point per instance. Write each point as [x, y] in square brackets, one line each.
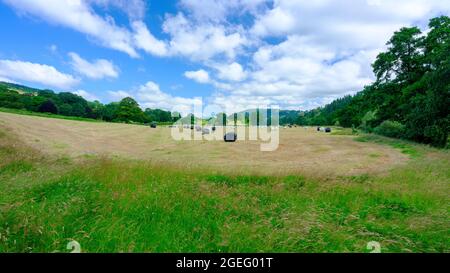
[45, 115]
[110, 206]
[50, 115]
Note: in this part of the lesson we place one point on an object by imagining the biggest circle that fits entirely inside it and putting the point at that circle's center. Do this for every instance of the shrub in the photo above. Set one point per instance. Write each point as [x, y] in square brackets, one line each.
[390, 129]
[48, 106]
[367, 121]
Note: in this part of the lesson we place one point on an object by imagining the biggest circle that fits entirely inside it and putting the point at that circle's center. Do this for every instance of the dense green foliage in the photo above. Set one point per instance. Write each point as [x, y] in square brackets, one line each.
[67, 104]
[327, 115]
[390, 129]
[412, 88]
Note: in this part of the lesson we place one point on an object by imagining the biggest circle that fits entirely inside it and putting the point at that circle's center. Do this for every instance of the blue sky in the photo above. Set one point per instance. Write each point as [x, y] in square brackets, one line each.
[233, 54]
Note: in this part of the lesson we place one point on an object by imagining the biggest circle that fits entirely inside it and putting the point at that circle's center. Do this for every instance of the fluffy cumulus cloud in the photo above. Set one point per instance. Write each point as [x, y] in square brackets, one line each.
[79, 15]
[231, 72]
[36, 73]
[353, 24]
[97, 69]
[200, 76]
[146, 41]
[151, 96]
[201, 41]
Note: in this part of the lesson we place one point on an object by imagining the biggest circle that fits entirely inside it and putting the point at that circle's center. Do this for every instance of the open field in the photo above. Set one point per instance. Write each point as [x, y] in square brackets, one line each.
[59, 181]
[300, 151]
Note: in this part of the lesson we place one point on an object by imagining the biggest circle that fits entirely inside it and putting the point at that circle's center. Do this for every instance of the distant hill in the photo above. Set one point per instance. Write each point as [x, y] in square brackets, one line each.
[19, 88]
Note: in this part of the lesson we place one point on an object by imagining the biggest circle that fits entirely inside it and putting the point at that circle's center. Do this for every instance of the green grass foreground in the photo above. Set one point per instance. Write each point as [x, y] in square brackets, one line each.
[112, 205]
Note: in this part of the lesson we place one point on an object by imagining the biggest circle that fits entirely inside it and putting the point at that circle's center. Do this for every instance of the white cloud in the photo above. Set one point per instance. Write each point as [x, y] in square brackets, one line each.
[231, 72]
[146, 41]
[151, 96]
[188, 39]
[200, 76]
[37, 73]
[98, 69]
[276, 21]
[79, 16]
[118, 95]
[353, 24]
[201, 42]
[86, 95]
[298, 80]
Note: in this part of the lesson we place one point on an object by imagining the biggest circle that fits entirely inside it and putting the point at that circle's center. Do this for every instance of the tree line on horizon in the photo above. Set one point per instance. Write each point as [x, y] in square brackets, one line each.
[69, 104]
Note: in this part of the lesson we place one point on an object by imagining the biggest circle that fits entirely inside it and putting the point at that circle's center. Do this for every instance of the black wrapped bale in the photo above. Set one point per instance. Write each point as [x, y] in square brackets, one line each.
[213, 128]
[153, 125]
[327, 130]
[230, 137]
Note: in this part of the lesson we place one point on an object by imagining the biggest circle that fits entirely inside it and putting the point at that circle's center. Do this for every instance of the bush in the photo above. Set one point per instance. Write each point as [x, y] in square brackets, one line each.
[390, 129]
[367, 121]
[48, 107]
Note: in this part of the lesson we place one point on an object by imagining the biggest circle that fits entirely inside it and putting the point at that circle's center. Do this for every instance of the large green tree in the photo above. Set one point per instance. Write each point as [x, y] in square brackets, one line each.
[129, 111]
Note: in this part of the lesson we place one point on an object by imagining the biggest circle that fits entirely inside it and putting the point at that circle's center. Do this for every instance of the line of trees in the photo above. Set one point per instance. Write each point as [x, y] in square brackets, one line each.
[411, 96]
[68, 104]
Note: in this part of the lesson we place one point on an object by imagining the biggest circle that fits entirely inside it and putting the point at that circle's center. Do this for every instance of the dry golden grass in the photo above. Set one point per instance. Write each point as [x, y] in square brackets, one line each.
[300, 151]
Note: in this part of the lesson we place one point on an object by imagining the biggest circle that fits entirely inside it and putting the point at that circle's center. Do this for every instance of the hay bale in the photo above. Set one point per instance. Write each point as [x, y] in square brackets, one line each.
[205, 131]
[230, 137]
[198, 128]
[328, 130]
[153, 125]
[213, 128]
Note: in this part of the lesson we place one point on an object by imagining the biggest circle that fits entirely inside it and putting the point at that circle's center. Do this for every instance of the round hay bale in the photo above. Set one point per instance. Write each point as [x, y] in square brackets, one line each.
[153, 125]
[328, 130]
[213, 128]
[230, 137]
[205, 131]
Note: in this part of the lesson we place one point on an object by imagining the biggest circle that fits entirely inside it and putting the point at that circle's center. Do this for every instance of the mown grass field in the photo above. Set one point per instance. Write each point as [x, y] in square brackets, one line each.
[126, 204]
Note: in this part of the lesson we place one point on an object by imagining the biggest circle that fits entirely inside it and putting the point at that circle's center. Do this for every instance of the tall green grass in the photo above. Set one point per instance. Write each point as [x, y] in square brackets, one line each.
[411, 149]
[135, 206]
